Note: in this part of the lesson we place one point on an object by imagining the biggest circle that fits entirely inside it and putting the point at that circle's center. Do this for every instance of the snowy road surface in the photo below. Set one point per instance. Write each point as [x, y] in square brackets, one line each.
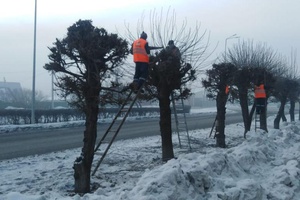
[43, 140]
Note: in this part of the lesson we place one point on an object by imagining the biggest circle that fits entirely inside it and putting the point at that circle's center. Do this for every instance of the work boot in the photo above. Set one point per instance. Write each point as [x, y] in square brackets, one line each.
[141, 91]
[133, 86]
[125, 88]
[138, 88]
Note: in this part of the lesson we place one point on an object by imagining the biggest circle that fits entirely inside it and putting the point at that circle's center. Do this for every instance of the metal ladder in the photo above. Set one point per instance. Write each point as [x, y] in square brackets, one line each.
[257, 121]
[213, 128]
[181, 126]
[115, 127]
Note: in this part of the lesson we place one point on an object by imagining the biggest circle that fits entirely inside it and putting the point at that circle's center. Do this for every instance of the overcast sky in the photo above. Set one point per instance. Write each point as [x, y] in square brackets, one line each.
[274, 22]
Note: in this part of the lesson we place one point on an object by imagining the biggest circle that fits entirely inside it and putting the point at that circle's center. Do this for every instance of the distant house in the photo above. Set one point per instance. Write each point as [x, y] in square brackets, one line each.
[199, 99]
[10, 91]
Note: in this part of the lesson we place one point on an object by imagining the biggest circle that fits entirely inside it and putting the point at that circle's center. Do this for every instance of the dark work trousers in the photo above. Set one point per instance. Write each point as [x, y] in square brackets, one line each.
[260, 105]
[141, 73]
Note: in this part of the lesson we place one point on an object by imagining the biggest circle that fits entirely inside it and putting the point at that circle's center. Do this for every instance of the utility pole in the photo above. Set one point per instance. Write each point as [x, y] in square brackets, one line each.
[52, 90]
[34, 61]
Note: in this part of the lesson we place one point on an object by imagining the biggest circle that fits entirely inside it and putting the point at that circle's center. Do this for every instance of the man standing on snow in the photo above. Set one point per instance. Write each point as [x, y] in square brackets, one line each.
[140, 50]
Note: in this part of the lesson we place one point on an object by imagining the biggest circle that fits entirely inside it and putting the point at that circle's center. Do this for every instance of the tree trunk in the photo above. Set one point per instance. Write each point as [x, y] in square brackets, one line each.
[165, 122]
[220, 125]
[299, 112]
[292, 111]
[252, 113]
[283, 116]
[83, 164]
[263, 119]
[279, 115]
[245, 110]
[276, 121]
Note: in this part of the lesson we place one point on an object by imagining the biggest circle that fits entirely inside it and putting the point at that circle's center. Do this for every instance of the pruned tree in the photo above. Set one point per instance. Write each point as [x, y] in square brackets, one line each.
[81, 62]
[255, 63]
[294, 75]
[286, 88]
[218, 78]
[281, 93]
[169, 74]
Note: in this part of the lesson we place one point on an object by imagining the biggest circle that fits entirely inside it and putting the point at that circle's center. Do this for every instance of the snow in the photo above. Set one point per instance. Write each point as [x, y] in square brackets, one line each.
[262, 166]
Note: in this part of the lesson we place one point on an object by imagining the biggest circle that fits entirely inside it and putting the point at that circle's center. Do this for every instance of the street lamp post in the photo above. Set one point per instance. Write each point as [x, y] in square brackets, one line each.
[34, 60]
[52, 90]
[230, 37]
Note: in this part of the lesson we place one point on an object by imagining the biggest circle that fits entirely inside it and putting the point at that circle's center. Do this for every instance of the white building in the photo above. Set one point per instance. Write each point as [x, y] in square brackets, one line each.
[199, 99]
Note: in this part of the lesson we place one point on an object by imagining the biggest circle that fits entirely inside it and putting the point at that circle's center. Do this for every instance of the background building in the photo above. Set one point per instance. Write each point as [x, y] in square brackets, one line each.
[10, 91]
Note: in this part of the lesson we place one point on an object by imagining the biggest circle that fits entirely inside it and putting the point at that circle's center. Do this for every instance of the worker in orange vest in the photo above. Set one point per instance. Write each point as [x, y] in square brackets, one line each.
[140, 50]
[227, 90]
[260, 97]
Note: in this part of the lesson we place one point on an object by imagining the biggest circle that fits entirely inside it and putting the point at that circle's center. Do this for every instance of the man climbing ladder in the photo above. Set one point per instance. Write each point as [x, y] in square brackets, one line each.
[260, 97]
[261, 103]
[141, 50]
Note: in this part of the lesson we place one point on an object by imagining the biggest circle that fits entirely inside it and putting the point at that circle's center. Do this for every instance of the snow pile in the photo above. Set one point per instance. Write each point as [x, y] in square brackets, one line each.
[263, 166]
[256, 169]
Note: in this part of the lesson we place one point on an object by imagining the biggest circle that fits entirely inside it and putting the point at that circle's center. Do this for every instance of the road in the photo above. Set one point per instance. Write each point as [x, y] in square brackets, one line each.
[35, 142]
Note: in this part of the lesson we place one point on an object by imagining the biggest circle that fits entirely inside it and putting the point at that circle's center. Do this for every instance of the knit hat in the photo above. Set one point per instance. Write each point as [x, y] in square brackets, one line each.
[144, 35]
[171, 42]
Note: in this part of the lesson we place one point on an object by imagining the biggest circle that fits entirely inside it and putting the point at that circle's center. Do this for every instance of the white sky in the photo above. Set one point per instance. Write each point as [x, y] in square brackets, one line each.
[274, 22]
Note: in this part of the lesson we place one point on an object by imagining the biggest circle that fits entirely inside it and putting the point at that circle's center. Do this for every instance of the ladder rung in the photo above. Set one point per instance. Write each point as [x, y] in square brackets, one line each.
[183, 140]
[184, 136]
[112, 131]
[105, 141]
[182, 128]
[98, 153]
[178, 106]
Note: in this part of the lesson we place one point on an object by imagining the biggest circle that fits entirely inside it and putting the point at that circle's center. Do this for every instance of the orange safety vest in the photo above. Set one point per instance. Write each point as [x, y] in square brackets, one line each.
[227, 89]
[139, 51]
[260, 92]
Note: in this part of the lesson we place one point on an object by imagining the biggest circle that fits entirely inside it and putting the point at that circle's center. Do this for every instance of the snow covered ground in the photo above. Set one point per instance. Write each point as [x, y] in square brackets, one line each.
[263, 166]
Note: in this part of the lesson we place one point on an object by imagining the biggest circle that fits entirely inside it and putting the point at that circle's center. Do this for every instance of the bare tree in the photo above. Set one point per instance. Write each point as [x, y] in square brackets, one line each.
[294, 75]
[172, 75]
[255, 63]
[23, 98]
[286, 88]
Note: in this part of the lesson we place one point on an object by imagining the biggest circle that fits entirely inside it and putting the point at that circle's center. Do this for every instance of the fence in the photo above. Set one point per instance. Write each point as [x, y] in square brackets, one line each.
[23, 116]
